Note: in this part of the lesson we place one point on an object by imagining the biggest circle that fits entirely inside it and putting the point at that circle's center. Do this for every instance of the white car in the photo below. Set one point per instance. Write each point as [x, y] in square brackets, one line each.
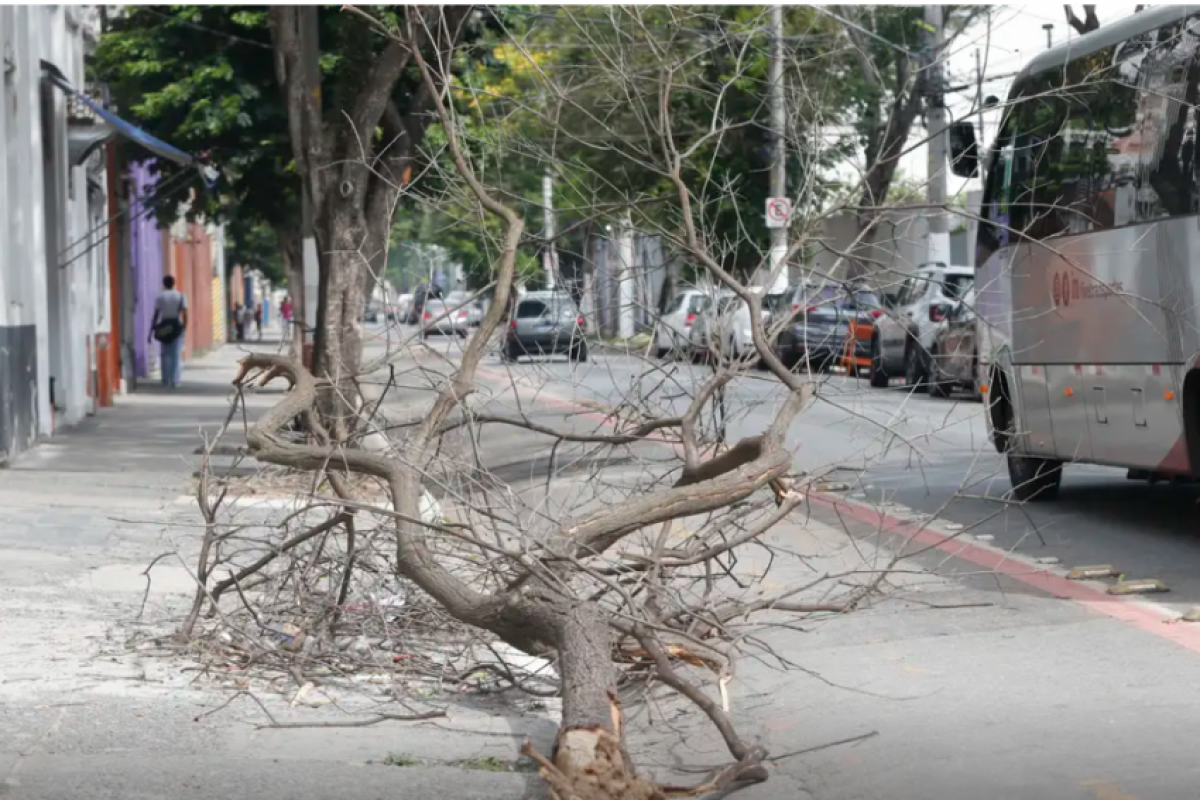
[904, 336]
[729, 327]
[673, 332]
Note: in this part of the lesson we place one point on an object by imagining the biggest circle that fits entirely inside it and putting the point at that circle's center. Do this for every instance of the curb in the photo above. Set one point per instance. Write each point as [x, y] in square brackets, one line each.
[1151, 617]
[616, 349]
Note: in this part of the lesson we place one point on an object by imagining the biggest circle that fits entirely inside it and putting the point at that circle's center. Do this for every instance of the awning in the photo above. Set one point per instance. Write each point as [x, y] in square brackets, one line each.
[86, 138]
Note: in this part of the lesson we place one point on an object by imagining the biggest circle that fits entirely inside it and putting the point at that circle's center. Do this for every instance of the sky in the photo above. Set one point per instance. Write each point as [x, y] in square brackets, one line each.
[1016, 36]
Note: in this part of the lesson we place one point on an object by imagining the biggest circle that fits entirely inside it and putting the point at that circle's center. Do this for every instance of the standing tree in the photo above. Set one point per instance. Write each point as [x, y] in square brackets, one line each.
[888, 98]
[1090, 21]
[357, 113]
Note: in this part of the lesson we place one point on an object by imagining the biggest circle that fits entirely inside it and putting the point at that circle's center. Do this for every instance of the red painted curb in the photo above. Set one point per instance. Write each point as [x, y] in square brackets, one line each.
[1130, 612]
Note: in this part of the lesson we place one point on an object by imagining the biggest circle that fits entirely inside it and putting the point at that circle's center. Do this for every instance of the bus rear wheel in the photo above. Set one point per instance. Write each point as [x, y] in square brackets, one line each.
[1033, 478]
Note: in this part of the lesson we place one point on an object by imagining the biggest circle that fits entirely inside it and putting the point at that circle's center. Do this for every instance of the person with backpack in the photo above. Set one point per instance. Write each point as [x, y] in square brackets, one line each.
[167, 327]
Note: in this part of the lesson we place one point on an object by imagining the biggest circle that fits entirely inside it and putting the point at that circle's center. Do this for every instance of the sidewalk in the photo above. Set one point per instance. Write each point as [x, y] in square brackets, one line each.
[83, 516]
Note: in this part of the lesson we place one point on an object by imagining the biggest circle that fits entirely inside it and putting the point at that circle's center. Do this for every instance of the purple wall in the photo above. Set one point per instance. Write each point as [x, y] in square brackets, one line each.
[146, 265]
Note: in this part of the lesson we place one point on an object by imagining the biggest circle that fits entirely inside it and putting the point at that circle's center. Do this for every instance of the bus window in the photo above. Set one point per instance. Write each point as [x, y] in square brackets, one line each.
[1167, 76]
[993, 211]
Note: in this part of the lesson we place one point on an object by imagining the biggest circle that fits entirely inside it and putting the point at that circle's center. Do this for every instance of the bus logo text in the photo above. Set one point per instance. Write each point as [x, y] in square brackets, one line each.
[1067, 288]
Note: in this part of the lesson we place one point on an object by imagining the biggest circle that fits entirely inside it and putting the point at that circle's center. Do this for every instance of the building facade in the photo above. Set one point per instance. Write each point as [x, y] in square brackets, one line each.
[81, 257]
[53, 276]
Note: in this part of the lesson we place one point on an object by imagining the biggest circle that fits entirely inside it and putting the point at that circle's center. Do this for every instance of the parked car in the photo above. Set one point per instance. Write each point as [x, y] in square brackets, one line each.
[546, 323]
[401, 310]
[473, 306]
[823, 333]
[904, 336]
[673, 332]
[730, 326]
[954, 355]
[439, 317]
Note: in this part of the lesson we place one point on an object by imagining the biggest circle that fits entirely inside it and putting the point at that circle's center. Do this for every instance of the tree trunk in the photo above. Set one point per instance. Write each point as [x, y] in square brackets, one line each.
[378, 228]
[891, 141]
[340, 346]
[291, 250]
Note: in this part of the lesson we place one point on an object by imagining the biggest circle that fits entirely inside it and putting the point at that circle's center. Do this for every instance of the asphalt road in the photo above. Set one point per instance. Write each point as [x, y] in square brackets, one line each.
[1000, 686]
[931, 455]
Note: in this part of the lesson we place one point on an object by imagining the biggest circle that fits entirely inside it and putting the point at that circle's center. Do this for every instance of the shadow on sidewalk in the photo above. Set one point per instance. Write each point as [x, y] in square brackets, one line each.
[154, 430]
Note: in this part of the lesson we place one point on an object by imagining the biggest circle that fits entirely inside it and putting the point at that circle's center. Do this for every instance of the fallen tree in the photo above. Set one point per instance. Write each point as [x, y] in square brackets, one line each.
[640, 584]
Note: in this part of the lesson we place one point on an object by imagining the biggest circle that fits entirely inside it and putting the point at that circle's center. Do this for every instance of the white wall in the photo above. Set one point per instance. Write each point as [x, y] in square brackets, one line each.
[61, 302]
[53, 223]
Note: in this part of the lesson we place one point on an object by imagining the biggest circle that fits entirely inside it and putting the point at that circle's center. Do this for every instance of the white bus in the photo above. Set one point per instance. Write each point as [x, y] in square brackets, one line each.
[1089, 256]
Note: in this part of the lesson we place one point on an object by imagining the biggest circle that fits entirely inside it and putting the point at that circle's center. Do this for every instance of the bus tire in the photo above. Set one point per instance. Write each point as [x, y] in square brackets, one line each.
[1191, 419]
[1033, 478]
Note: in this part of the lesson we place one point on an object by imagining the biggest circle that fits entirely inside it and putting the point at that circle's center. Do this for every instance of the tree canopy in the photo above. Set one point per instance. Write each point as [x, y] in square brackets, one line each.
[203, 79]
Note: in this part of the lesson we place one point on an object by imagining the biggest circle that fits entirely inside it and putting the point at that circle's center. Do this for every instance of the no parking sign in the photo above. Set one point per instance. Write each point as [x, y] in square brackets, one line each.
[779, 212]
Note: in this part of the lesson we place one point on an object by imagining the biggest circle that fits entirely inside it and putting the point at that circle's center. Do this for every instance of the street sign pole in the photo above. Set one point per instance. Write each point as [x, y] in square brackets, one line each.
[779, 242]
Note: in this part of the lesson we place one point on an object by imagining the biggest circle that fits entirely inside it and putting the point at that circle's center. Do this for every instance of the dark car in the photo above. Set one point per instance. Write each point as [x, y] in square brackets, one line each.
[825, 332]
[545, 323]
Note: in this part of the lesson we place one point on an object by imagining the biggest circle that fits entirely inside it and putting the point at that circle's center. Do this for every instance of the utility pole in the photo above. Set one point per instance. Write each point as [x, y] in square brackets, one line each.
[983, 121]
[779, 236]
[311, 295]
[1049, 28]
[625, 284]
[550, 254]
[935, 121]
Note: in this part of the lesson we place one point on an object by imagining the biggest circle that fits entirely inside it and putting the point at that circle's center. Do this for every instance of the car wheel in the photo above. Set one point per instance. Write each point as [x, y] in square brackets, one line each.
[938, 385]
[914, 370]
[879, 376]
[1033, 478]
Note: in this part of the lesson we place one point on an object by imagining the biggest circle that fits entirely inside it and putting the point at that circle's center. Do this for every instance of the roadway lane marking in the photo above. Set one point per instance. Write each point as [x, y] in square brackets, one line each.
[1149, 617]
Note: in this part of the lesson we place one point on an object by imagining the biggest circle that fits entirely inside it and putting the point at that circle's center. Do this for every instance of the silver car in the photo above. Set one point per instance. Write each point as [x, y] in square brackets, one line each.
[444, 319]
[904, 336]
[545, 323]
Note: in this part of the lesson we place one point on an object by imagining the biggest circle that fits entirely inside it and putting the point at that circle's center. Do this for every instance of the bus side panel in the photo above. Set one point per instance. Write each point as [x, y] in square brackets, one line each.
[1032, 402]
[1070, 411]
[1096, 298]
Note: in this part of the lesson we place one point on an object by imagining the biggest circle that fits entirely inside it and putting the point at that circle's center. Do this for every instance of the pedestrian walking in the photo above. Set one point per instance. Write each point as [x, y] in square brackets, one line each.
[245, 320]
[258, 315]
[285, 310]
[167, 327]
